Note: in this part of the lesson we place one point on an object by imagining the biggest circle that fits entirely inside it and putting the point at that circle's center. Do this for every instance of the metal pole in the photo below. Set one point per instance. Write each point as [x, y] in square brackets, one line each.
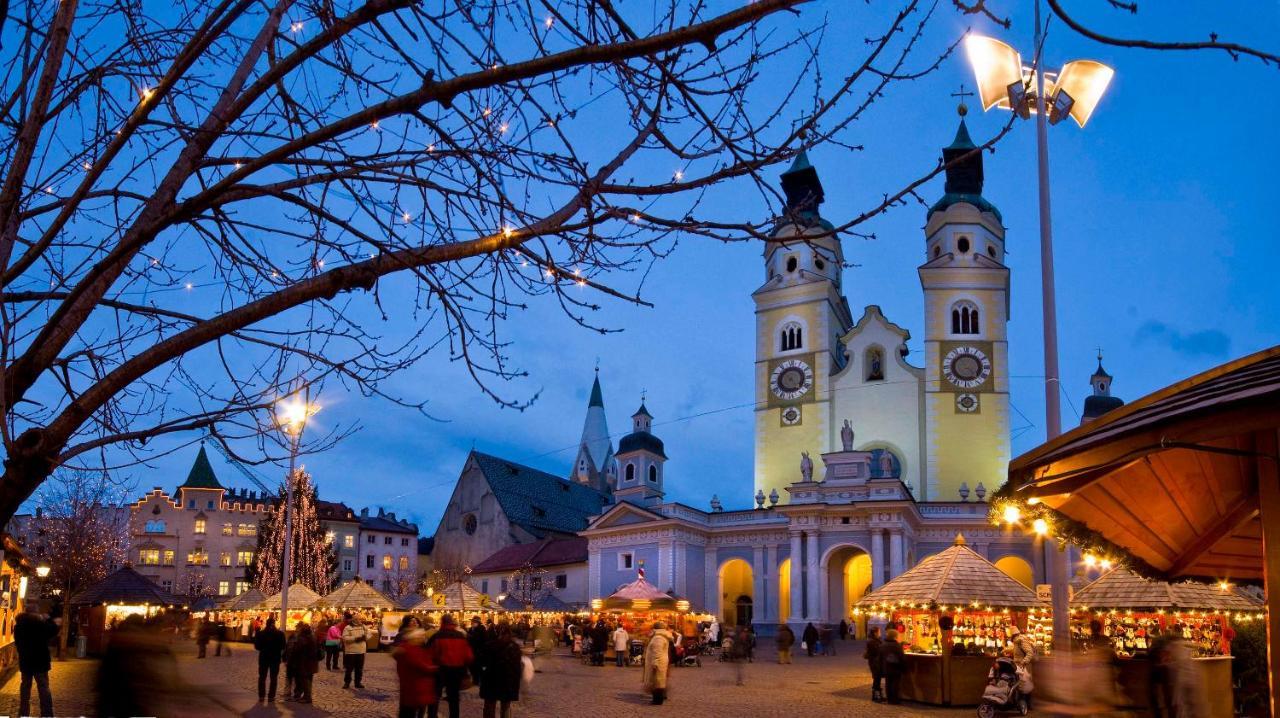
[1055, 555]
[287, 567]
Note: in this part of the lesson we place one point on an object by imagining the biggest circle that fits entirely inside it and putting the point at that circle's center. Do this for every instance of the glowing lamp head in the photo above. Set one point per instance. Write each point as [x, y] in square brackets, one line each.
[1012, 514]
[996, 67]
[1041, 527]
[42, 571]
[293, 414]
[1078, 90]
[1106, 564]
[1224, 586]
[1090, 560]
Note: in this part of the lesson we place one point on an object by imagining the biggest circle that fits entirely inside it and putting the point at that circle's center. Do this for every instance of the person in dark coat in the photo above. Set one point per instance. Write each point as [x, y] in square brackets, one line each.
[31, 635]
[304, 660]
[417, 674]
[785, 639]
[503, 670]
[874, 664]
[893, 662]
[221, 634]
[477, 638]
[844, 630]
[599, 642]
[203, 635]
[269, 643]
[810, 639]
[452, 654]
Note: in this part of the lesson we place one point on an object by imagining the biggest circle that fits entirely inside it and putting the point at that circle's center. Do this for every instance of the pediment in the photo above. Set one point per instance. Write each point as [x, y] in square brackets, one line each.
[624, 514]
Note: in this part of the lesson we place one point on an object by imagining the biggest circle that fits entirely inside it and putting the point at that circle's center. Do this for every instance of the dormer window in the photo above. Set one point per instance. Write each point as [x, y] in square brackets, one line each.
[962, 244]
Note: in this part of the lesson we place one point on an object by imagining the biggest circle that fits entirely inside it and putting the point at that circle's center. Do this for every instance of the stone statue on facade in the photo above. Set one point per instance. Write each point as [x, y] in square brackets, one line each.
[846, 435]
[806, 466]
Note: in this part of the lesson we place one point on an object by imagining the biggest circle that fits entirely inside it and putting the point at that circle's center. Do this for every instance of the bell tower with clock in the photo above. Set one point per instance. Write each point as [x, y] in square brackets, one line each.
[800, 313]
[966, 299]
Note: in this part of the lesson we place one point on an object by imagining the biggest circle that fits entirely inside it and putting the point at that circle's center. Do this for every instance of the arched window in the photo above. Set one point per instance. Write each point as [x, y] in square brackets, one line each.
[874, 368]
[964, 318]
[963, 245]
[792, 263]
[653, 474]
[631, 472]
[791, 336]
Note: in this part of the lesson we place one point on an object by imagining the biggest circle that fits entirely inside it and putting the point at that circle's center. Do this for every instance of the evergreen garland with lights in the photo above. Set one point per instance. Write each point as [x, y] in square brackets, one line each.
[314, 559]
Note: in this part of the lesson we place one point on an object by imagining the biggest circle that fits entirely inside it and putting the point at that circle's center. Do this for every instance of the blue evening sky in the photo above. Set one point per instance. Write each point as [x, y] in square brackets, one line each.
[1166, 256]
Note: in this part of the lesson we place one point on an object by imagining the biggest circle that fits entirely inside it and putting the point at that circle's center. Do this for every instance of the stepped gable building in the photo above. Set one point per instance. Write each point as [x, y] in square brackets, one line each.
[498, 503]
[200, 537]
[865, 463]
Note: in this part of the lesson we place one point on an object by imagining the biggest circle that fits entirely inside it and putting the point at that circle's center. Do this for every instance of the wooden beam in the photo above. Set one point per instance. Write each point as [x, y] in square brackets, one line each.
[1240, 513]
[1269, 508]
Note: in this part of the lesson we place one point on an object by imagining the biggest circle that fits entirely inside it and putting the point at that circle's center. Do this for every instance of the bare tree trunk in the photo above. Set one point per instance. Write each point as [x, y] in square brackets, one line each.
[64, 630]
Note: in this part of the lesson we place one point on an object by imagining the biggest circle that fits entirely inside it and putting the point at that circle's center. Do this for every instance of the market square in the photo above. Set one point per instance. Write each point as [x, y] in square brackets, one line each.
[374, 357]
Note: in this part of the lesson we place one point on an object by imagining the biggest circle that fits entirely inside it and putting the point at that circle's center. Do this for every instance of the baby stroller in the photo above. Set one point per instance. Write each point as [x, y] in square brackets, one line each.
[1003, 693]
[689, 653]
[635, 653]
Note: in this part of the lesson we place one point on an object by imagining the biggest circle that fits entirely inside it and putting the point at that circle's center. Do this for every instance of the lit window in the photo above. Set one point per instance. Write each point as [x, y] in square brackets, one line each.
[224, 587]
[197, 558]
[404, 563]
[199, 526]
[349, 541]
[241, 587]
[168, 557]
[244, 558]
[386, 561]
[226, 529]
[224, 558]
[328, 537]
[246, 530]
[149, 557]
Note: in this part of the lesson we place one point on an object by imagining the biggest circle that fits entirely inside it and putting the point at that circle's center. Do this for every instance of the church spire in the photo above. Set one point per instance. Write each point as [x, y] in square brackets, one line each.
[595, 450]
[802, 188]
[964, 170]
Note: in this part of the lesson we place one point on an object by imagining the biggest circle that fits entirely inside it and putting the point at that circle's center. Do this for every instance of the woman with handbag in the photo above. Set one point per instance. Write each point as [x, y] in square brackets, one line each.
[502, 673]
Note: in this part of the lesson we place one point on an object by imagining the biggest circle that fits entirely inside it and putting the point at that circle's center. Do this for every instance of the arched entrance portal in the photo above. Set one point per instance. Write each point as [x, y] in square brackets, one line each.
[1018, 569]
[736, 595]
[848, 575]
[784, 590]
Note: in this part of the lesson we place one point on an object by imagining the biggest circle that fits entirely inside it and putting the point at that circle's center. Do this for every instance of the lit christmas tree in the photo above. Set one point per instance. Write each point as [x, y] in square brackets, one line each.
[314, 560]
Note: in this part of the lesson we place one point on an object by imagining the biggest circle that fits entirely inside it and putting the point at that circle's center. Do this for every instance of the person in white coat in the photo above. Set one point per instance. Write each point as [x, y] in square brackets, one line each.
[621, 642]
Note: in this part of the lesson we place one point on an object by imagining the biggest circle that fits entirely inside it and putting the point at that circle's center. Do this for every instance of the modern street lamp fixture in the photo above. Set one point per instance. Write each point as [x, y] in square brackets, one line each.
[1004, 82]
[292, 415]
[43, 571]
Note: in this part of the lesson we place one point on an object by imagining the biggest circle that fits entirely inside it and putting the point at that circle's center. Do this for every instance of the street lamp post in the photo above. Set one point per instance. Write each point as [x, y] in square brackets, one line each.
[293, 415]
[1073, 92]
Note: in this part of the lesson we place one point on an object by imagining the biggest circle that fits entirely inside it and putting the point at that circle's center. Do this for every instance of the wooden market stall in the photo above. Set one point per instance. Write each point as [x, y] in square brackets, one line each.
[358, 597]
[251, 600]
[1183, 483]
[954, 611]
[459, 598]
[1131, 611]
[302, 603]
[15, 576]
[124, 593]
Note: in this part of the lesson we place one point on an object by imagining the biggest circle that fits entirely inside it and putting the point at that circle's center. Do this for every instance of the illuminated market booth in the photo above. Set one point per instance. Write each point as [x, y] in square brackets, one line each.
[458, 598]
[302, 603]
[954, 611]
[1181, 484]
[1130, 611]
[122, 594]
[15, 573]
[639, 604]
[361, 599]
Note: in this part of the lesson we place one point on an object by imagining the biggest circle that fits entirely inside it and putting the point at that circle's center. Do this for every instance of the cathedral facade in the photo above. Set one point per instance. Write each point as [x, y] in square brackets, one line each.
[865, 463]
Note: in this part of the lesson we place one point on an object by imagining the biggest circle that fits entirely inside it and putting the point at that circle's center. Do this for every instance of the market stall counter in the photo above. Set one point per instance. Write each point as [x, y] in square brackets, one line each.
[954, 613]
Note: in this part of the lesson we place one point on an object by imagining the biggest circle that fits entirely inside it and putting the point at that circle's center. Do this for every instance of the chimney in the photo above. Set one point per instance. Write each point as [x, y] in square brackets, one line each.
[364, 512]
[381, 513]
[39, 512]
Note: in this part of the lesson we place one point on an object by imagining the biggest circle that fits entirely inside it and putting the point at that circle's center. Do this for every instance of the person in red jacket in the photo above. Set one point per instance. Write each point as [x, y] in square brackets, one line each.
[417, 673]
[452, 654]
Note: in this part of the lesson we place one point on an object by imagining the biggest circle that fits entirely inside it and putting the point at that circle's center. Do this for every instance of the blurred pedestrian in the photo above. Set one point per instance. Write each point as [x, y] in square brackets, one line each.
[355, 643]
[785, 639]
[810, 638]
[416, 671]
[304, 659]
[874, 663]
[477, 638]
[892, 661]
[1186, 685]
[204, 633]
[621, 641]
[502, 671]
[138, 675]
[221, 633]
[31, 635]
[657, 662]
[332, 645]
[269, 642]
[452, 654]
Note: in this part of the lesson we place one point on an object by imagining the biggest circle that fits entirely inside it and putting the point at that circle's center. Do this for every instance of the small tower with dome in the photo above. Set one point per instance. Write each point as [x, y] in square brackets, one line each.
[640, 462]
[1101, 401]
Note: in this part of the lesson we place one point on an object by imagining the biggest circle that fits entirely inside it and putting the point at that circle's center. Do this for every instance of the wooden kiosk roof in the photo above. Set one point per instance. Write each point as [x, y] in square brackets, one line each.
[1173, 477]
[299, 597]
[126, 586]
[457, 596]
[957, 576]
[357, 594]
[1121, 588]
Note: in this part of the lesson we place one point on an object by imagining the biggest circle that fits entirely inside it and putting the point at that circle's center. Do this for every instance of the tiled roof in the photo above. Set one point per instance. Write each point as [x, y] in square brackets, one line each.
[454, 597]
[357, 594]
[537, 501]
[387, 524]
[547, 552]
[247, 600]
[201, 476]
[299, 597]
[957, 576]
[126, 586]
[547, 603]
[1120, 588]
[335, 511]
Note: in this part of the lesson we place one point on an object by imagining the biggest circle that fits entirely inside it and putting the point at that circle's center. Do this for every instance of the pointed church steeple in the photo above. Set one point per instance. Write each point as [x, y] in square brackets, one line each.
[803, 188]
[964, 171]
[595, 450]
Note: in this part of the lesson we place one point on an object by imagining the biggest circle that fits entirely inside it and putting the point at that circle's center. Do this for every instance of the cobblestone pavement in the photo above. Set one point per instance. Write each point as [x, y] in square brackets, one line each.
[564, 688]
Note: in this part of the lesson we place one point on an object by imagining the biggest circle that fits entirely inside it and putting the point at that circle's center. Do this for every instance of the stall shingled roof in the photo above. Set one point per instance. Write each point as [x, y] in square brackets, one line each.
[459, 596]
[299, 597]
[248, 600]
[128, 587]
[1121, 588]
[357, 594]
[957, 576]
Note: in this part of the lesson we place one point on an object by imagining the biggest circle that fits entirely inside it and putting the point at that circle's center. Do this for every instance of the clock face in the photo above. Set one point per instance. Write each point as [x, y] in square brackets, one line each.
[966, 403]
[791, 379]
[966, 367]
[791, 416]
